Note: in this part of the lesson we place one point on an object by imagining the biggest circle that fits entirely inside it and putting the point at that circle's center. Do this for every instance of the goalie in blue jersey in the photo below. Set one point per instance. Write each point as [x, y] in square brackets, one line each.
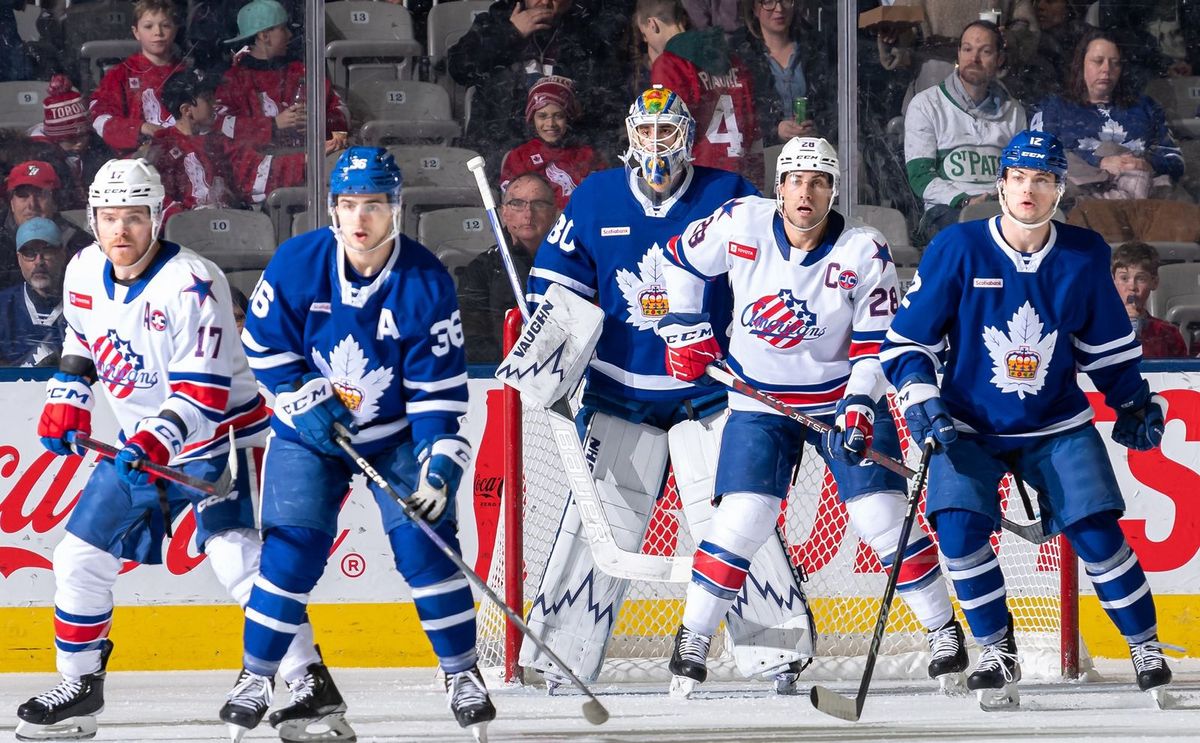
[1015, 306]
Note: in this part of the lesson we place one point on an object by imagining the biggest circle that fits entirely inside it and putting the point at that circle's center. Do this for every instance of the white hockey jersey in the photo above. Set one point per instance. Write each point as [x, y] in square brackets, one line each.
[167, 341]
[806, 325]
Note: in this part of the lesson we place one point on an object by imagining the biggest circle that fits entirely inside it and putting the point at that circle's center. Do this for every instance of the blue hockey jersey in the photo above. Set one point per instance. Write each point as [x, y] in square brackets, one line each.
[391, 347]
[608, 245]
[1015, 329]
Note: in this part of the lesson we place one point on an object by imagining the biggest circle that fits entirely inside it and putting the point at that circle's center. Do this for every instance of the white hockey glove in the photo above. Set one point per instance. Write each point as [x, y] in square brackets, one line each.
[442, 466]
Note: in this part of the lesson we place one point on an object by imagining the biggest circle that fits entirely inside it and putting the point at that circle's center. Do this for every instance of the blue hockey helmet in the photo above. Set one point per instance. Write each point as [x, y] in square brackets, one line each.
[365, 170]
[1036, 151]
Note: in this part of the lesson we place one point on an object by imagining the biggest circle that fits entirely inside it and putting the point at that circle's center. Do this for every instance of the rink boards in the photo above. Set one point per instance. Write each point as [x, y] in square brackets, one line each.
[176, 616]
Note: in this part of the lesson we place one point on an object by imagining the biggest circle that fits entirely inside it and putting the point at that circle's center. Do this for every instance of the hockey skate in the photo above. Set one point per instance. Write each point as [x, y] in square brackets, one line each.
[317, 711]
[1153, 673]
[785, 680]
[689, 662]
[469, 701]
[948, 657]
[996, 675]
[68, 711]
[249, 700]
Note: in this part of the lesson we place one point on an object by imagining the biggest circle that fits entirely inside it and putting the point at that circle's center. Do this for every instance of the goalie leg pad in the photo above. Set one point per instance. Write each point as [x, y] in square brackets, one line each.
[877, 519]
[83, 579]
[695, 445]
[575, 607]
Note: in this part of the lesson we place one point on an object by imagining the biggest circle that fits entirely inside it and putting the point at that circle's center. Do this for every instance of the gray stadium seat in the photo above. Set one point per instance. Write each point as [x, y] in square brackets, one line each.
[770, 155]
[106, 20]
[96, 56]
[402, 111]
[904, 277]
[446, 25]
[359, 29]
[234, 239]
[463, 228]
[455, 261]
[435, 177]
[891, 223]
[21, 104]
[1178, 285]
[1180, 99]
[244, 281]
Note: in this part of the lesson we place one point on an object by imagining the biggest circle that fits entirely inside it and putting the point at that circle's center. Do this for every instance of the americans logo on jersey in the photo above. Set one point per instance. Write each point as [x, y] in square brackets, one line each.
[119, 367]
[1020, 357]
[645, 291]
[781, 319]
[358, 389]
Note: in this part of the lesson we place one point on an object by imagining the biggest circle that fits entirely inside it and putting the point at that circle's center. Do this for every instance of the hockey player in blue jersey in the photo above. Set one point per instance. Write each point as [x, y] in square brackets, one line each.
[1015, 306]
[359, 325]
[608, 246]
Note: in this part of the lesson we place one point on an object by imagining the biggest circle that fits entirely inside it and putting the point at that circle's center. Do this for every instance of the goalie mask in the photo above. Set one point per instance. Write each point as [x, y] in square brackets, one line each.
[661, 132]
[131, 182]
[808, 154]
[364, 171]
[1033, 150]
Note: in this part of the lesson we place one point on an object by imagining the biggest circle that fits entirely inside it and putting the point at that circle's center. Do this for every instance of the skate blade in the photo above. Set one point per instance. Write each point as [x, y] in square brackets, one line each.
[479, 731]
[786, 687]
[1163, 699]
[999, 700]
[682, 687]
[236, 732]
[72, 728]
[953, 684]
[330, 727]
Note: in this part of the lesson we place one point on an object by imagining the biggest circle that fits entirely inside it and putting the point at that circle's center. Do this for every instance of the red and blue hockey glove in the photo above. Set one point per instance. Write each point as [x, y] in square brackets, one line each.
[442, 465]
[1140, 420]
[691, 345]
[68, 409]
[921, 403]
[311, 409]
[853, 429]
[156, 440]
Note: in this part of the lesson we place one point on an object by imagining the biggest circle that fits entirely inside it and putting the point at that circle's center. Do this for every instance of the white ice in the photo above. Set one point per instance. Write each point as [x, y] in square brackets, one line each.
[407, 705]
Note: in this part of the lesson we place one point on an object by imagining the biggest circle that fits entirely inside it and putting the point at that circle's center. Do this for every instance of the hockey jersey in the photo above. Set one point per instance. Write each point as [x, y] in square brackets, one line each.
[254, 91]
[806, 325]
[127, 97]
[166, 341]
[391, 346]
[565, 167]
[31, 326]
[1014, 329]
[608, 245]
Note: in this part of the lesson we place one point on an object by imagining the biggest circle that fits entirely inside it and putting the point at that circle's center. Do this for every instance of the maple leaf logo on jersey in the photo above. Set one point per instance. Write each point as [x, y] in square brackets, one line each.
[358, 389]
[1020, 357]
[781, 319]
[645, 291]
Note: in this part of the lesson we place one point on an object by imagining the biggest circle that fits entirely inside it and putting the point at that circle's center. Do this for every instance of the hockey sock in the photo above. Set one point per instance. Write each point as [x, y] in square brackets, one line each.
[741, 524]
[1116, 574]
[293, 559]
[877, 518]
[965, 540]
[440, 593]
[83, 604]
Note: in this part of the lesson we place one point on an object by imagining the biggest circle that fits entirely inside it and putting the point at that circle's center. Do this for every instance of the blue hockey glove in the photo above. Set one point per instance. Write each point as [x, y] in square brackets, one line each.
[156, 440]
[442, 465]
[921, 403]
[852, 430]
[312, 409]
[1140, 421]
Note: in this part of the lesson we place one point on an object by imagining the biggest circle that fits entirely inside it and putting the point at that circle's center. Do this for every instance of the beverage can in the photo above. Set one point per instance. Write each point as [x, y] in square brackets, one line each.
[800, 109]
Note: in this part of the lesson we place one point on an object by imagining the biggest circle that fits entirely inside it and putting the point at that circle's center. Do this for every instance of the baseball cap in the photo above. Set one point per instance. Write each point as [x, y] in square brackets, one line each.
[38, 228]
[32, 173]
[258, 15]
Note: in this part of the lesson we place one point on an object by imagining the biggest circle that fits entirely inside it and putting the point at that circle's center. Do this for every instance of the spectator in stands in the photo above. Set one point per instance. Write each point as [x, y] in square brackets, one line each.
[126, 109]
[202, 168]
[240, 303]
[261, 99]
[722, 14]
[944, 20]
[1135, 273]
[554, 152]
[1140, 29]
[954, 131]
[31, 187]
[68, 142]
[788, 63]
[485, 293]
[1061, 23]
[31, 320]
[514, 44]
[715, 84]
[14, 62]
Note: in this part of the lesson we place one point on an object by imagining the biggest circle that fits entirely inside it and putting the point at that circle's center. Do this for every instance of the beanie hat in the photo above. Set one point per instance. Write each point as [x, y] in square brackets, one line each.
[63, 113]
[553, 89]
[258, 15]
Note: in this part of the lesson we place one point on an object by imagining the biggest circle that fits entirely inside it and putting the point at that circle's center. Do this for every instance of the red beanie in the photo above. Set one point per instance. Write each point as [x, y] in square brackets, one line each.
[553, 89]
[64, 115]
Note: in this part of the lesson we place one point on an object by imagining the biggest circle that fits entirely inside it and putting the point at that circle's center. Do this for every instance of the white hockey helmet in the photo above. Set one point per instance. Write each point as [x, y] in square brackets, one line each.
[807, 153]
[129, 182]
[664, 154]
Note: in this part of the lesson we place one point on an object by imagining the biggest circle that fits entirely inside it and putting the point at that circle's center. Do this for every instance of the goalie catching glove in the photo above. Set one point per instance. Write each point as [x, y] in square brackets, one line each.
[442, 465]
[691, 345]
[853, 429]
[68, 409]
[311, 408]
[920, 401]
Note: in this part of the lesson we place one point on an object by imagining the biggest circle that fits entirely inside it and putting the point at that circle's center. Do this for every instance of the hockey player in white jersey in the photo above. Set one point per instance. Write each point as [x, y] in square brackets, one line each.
[608, 246]
[150, 324]
[813, 296]
[1016, 306]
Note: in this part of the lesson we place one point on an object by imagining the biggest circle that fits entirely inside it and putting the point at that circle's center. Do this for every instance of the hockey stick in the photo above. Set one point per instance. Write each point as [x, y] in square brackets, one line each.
[475, 165]
[220, 486]
[721, 372]
[593, 710]
[830, 702]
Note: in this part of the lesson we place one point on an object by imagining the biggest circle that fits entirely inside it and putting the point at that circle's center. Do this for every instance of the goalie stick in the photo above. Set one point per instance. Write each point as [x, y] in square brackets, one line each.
[719, 371]
[593, 710]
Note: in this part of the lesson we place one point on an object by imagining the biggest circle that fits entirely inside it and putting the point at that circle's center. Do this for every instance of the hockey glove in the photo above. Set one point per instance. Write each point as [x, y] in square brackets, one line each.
[442, 466]
[311, 408]
[691, 345]
[1140, 421]
[852, 430]
[69, 402]
[921, 403]
[156, 440]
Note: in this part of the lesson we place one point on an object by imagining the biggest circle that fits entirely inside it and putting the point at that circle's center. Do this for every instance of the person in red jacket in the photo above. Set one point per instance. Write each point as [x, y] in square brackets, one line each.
[716, 86]
[126, 109]
[1135, 273]
[261, 99]
[553, 152]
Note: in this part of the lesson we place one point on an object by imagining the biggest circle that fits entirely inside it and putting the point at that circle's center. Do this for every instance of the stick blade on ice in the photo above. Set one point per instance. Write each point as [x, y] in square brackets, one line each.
[594, 712]
[834, 704]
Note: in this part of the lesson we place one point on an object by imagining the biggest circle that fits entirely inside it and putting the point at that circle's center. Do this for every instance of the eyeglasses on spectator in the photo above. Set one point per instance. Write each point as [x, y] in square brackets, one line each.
[538, 205]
